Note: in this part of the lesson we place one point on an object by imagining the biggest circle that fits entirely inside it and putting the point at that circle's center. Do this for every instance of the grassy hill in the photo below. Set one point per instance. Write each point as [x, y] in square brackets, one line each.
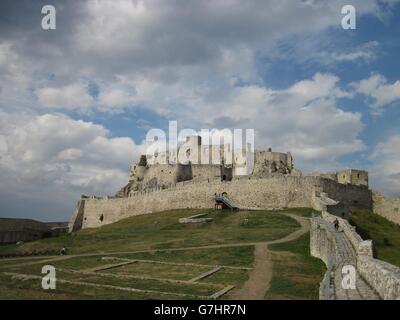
[384, 233]
[164, 258]
[162, 230]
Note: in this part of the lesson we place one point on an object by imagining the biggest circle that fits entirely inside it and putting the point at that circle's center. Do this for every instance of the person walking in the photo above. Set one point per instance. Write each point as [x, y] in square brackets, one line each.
[336, 224]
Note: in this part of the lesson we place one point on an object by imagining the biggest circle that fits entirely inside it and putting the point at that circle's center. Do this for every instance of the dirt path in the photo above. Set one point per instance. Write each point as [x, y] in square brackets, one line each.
[260, 277]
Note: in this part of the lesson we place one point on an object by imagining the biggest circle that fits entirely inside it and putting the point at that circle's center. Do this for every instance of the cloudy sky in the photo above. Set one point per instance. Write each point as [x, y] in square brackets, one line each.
[76, 102]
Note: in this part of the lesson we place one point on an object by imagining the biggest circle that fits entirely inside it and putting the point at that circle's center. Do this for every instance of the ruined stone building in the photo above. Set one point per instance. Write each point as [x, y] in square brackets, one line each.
[260, 179]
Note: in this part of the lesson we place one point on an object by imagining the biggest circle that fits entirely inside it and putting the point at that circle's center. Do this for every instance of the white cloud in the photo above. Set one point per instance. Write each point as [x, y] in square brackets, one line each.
[115, 98]
[187, 60]
[73, 96]
[58, 154]
[51, 154]
[321, 85]
[377, 88]
[365, 52]
[304, 118]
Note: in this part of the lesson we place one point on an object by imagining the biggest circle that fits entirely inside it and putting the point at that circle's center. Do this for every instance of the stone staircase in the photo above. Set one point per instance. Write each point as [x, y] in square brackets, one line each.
[227, 202]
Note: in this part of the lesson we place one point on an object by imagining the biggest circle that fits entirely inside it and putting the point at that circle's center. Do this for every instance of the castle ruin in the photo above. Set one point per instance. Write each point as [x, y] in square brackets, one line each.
[262, 179]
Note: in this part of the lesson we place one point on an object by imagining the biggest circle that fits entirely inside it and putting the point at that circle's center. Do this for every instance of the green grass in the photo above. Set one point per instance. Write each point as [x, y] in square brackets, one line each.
[296, 275]
[190, 289]
[162, 230]
[160, 233]
[233, 256]
[11, 289]
[303, 212]
[385, 234]
[159, 271]
[227, 277]
[9, 262]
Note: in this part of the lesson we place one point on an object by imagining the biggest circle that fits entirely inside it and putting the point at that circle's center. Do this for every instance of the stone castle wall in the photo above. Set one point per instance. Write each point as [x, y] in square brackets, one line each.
[166, 174]
[76, 221]
[352, 176]
[382, 277]
[349, 195]
[388, 208]
[245, 192]
[206, 172]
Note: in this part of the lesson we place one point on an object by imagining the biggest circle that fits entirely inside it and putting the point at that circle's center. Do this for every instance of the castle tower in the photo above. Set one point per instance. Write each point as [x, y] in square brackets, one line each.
[191, 149]
[141, 167]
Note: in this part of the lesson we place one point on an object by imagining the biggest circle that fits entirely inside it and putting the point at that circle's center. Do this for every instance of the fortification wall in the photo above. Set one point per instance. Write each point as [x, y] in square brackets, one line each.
[160, 174]
[360, 246]
[76, 221]
[388, 208]
[326, 175]
[261, 156]
[383, 277]
[265, 161]
[321, 242]
[349, 195]
[265, 193]
[352, 176]
[322, 246]
[206, 172]
[163, 175]
[246, 193]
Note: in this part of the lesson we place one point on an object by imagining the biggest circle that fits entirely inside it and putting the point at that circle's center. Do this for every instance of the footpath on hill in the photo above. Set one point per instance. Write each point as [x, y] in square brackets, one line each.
[260, 277]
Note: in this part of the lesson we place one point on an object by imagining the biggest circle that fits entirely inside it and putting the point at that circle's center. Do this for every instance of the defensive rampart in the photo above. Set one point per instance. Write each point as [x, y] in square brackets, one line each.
[344, 247]
[260, 193]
